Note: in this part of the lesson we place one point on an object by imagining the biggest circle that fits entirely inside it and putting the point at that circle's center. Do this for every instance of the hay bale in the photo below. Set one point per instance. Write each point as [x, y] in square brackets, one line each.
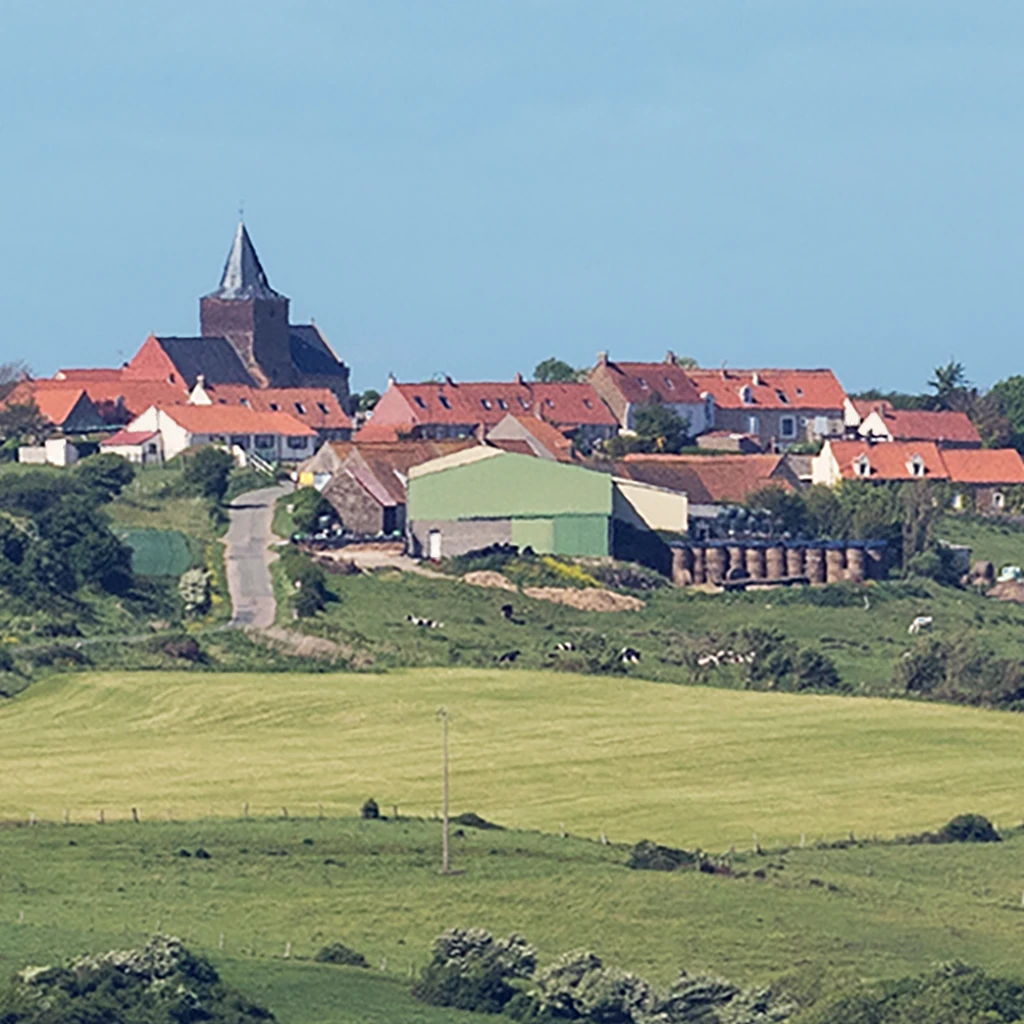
[855, 564]
[682, 567]
[699, 566]
[835, 564]
[755, 562]
[814, 563]
[775, 562]
[794, 561]
[717, 564]
[737, 562]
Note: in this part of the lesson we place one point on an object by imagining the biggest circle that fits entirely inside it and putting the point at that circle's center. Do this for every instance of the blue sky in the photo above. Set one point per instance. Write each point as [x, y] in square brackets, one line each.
[469, 187]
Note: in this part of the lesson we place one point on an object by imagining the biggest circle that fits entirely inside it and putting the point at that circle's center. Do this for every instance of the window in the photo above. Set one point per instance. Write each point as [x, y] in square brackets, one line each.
[296, 442]
[300, 408]
[522, 401]
[264, 440]
[275, 407]
[587, 403]
[419, 401]
[245, 402]
[753, 425]
[746, 394]
[669, 384]
[549, 403]
[502, 404]
[444, 401]
[242, 440]
[915, 466]
[861, 466]
[800, 391]
[998, 500]
[781, 395]
[787, 426]
[485, 402]
[322, 407]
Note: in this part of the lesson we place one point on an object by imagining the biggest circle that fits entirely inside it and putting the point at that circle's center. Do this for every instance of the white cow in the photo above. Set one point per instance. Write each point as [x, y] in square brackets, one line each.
[921, 622]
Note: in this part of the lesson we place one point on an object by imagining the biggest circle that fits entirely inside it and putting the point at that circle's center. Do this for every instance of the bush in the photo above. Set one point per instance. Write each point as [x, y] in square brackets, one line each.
[969, 828]
[339, 953]
[471, 970]
[194, 590]
[648, 856]
[813, 670]
[308, 507]
[104, 476]
[206, 473]
[369, 811]
[471, 820]
[185, 647]
[6, 660]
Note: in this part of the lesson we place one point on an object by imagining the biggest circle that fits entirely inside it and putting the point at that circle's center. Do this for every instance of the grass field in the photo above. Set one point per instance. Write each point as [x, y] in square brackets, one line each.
[996, 542]
[868, 911]
[692, 766]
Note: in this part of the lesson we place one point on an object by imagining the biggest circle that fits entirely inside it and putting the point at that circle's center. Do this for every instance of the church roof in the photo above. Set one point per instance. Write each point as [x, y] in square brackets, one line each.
[214, 358]
[310, 352]
[243, 276]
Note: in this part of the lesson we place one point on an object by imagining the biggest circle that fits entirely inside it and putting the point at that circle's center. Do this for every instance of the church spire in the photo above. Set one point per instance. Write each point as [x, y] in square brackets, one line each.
[243, 277]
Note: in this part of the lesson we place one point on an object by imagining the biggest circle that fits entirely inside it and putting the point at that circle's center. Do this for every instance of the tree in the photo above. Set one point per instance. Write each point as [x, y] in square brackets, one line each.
[10, 373]
[367, 400]
[787, 509]
[23, 424]
[554, 371]
[991, 421]
[206, 473]
[660, 428]
[1010, 395]
[952, 388]
[308, 507]
[104, 476]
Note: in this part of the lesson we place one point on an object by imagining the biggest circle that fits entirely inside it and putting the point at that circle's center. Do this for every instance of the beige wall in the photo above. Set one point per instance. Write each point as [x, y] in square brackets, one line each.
[647, 507]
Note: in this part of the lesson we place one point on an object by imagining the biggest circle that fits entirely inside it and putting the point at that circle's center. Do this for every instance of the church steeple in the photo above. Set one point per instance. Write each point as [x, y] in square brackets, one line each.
[243, 277]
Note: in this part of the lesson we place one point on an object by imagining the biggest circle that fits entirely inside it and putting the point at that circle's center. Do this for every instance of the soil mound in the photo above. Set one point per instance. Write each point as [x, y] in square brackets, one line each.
[1011, 590]
[589, 600]
[489, 578]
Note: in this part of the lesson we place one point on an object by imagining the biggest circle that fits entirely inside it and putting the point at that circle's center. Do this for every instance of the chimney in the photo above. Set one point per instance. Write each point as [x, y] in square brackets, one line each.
[392, 380]
[201, 380]
[670, 357]
[755, 379]
[602, 358]
[449, 381]
[519, 379]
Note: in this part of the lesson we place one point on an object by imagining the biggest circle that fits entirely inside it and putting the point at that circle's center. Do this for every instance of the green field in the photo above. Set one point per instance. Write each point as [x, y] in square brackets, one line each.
[692, 766]
[867, 911]
[159, 552]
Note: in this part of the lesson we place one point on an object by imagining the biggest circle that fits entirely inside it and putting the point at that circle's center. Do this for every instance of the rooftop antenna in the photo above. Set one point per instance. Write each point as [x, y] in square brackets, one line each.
[241, 209]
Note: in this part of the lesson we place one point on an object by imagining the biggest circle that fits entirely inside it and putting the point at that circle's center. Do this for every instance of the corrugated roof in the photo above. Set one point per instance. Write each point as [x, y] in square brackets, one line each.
[464, 458]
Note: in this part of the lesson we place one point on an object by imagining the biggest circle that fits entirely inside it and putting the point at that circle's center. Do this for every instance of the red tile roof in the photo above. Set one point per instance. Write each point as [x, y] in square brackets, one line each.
[642, 382]
[709, 478]
[54, 403]
[984, 466]
[316, 407]
[82, 375]
[890, 460]
[920, 425]
[129, 438]
[466, 404]
[219, 419]
[866, 406]
[389, 463]
[772, 389]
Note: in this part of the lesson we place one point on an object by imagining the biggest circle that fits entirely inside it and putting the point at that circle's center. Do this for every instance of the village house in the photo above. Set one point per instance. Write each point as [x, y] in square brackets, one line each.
[66, 408]
[948, 429]
[982, 477]
[777, 407]
[451, 409]
[530, 436]
[627, 387]
[273, 436]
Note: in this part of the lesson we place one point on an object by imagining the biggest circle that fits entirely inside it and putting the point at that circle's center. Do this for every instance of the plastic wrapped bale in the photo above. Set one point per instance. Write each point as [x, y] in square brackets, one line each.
[855, 569]
[835, 564]
[682, 566]
[814, 564]
[795, 560]
[717, 564]
[774, 562]
[699, 571]
[755, 562]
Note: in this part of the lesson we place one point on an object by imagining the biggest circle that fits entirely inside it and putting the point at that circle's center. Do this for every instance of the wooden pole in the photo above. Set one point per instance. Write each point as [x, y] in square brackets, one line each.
[443, 715]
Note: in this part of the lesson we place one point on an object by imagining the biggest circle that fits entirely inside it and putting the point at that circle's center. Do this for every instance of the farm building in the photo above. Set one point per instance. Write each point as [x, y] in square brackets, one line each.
[483, 496]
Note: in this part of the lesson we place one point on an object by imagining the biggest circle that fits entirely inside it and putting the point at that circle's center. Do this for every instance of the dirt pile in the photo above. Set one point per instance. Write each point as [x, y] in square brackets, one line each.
[489, 578]
[589, 600]
[1011, 590]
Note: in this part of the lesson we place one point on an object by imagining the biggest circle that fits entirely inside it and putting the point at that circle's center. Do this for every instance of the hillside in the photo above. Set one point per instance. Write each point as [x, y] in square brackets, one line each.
[692, 766]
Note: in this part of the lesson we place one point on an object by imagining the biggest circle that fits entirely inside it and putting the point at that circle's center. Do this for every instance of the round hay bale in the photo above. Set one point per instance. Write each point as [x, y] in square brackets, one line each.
[682, 564]
[794, 561]
[755, 562]
[774, 562]
[855, 563]
[716, 563]
[737, 562]
[814, 564]
[835, 564]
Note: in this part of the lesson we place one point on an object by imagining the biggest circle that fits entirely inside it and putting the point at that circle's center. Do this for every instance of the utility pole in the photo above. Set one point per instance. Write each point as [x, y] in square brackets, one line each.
[442, 713]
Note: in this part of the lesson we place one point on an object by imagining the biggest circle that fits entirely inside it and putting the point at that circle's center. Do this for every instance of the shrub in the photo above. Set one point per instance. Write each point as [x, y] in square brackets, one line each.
[339, 953]
[648, 856]
[813, 670]
[472, 970]
[969, 828]
[185, 647]
[6, 660]
[206, 473]
[104, 476]
[472, 820]
[369, 810]
[308, 507]
[194, 590]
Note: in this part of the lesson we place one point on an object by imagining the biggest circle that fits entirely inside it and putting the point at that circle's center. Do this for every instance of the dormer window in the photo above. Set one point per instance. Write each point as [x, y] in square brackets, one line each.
[322, 407]
[642, 382]
[587, 403]
[502, 404]
[419, 401]
[525, 404]
[245, 402]
[549, 403]
[746, 394]
[300, 408]
[862, 466]
[781, 395]
[275, 407]
[669, 384]
[444, 401]
[485, 402]
[915, 466]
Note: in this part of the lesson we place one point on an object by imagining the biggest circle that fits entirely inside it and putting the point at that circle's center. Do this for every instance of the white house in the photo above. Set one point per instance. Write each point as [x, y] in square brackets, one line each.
[274, 436]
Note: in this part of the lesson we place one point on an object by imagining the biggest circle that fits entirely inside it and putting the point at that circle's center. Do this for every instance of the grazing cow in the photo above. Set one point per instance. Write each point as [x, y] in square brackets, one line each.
[416, 620]
[565, 645]
[921, 622]
[629, 656]
[508, 657]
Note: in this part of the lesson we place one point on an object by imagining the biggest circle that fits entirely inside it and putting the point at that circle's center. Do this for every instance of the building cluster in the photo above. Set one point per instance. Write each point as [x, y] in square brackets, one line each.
[453, 466]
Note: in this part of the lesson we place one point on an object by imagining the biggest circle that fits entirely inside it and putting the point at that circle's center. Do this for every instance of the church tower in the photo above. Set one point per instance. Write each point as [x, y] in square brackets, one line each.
[251, 315]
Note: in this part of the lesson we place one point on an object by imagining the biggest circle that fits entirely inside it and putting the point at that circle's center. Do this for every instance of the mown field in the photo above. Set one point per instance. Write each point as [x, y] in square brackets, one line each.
[863, 912]
[692, 766]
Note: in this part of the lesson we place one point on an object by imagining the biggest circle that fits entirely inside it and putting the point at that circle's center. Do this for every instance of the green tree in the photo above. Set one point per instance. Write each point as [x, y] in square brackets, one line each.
[1010, 395]
[555, 371]
[660, 429]
[104, 476]
[992, 422]
[787, 509]
[952, 388]
[23, 424]
[206, 473]
[367, 400]
[308, 507]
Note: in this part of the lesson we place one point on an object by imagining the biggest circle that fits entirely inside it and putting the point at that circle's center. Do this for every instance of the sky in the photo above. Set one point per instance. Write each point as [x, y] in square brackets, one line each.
[470, 187]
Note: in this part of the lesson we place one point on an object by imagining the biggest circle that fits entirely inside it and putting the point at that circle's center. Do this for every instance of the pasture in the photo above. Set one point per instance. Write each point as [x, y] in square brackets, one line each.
[690, 766]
